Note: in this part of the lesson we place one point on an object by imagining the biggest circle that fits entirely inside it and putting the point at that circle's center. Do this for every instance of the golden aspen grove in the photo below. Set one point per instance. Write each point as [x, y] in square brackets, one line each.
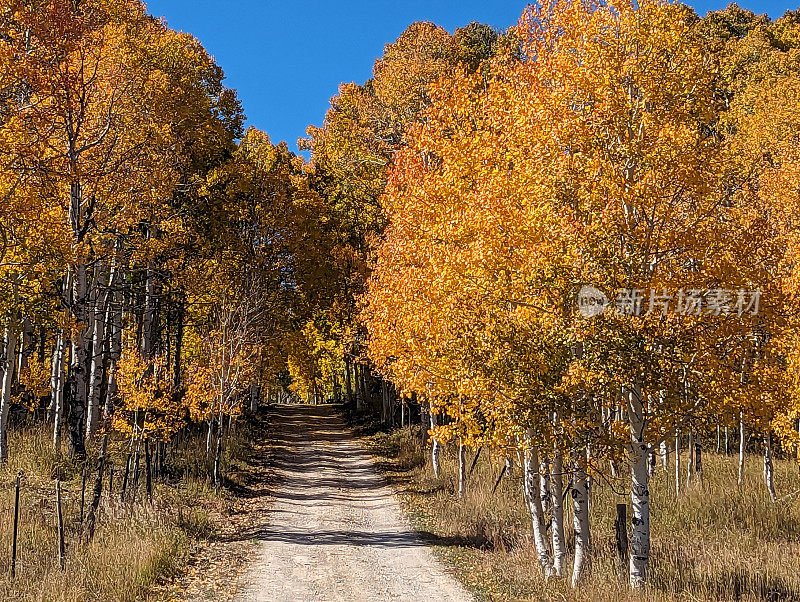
[520, 320]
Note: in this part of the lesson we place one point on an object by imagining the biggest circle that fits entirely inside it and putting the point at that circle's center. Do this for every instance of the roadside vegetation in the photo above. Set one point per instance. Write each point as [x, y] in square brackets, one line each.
[715, 541]
[139, 543]
[574, 242]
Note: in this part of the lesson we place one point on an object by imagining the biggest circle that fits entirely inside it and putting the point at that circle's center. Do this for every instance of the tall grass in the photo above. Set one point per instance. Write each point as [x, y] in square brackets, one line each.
[715, 541]
[135, 545]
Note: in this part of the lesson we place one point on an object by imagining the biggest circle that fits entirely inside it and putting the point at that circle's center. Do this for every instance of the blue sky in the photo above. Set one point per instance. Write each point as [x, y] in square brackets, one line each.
[286, 58]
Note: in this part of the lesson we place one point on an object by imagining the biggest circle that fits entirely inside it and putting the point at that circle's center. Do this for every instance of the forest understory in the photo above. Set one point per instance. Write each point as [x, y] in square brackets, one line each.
[182, 541]
[715, 541]
[573, 243]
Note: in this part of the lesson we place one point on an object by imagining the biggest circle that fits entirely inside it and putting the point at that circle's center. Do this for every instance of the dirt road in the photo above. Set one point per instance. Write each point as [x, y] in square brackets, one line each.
[335, 531]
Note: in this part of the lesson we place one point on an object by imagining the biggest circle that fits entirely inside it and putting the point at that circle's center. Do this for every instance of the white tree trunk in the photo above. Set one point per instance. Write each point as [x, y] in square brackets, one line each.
[436, 446]
[78, 364]
[544, 483]
[57, 389]
[557, 504]
[664, 450]
[690, 460]
[530, 483]
[640, 494]
[768, 467]
[114, 327]
[580, 512]
[98, 352]
[218, 454]
[5, 394]
[589, 476]
[24, 342]
[209, 437]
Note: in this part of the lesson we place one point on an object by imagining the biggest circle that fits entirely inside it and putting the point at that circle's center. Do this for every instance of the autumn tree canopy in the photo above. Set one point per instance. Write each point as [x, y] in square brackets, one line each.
[162, 269]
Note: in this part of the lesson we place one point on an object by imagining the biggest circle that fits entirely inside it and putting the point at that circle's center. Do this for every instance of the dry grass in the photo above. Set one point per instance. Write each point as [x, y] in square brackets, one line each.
[716, 541]
[136, 544]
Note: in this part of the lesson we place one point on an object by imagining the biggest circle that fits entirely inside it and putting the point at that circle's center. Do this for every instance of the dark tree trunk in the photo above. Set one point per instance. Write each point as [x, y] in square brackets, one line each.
[698, 459]
[176, 357]
[76, 417]
[348, 381]
[148, 475]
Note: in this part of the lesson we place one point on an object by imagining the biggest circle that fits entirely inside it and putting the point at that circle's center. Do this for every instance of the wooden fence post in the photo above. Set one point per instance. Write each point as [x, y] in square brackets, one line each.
[16, 528]
[60, 518]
